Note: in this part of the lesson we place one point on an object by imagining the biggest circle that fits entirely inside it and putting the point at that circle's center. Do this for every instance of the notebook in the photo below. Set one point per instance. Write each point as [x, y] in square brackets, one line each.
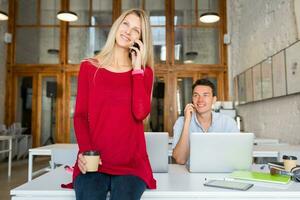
[157, 149]
[260, 176]
[220, 152]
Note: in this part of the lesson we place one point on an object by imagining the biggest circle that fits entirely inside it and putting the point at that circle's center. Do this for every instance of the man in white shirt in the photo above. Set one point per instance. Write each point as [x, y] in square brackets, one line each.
[199, 117]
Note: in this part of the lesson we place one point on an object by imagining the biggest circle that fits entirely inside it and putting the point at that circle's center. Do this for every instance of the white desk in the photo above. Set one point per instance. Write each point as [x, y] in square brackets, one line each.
[46, 151]
[177, 184]
[9, 150]
[259, 141]
[276, 150]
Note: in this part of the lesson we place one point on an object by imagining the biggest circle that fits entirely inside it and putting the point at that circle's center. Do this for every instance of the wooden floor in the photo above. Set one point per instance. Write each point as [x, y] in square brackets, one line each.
[18, 174]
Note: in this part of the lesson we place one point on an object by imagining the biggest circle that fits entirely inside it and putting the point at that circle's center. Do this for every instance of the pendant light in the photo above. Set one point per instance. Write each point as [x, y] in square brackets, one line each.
[53, 50]
[3, 16]
[209, 16]
[67, 16]
[191, 55]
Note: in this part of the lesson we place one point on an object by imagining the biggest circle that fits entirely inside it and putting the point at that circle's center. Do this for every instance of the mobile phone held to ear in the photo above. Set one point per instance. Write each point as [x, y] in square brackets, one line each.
[132, 50]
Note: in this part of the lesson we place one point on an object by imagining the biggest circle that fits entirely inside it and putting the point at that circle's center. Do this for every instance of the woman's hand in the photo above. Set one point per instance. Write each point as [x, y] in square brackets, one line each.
[136, 55]
[82, 163]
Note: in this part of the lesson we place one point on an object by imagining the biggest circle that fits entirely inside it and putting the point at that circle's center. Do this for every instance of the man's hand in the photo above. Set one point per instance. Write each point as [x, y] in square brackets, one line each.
[181, 151]
[188, 111]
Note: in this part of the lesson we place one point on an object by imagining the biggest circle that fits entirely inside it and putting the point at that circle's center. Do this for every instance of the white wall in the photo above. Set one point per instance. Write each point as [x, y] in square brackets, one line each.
[3, 29]
[259, 30]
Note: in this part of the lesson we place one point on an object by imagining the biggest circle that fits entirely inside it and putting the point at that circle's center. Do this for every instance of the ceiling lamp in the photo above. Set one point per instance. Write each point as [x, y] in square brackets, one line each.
[190, 57]
[67, 16]
[53, 51]
[209, 17]
[3, 16]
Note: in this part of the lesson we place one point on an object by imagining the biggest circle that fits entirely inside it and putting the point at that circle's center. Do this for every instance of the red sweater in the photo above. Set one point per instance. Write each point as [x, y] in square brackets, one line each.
[109, 113]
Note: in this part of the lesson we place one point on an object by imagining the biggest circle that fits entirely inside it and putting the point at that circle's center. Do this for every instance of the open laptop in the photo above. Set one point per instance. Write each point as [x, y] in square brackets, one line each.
[157, 149]
[220, 152]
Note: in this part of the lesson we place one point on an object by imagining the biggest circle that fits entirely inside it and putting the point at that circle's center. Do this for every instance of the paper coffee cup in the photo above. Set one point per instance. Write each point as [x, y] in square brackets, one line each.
[92, 160]
[289, 162]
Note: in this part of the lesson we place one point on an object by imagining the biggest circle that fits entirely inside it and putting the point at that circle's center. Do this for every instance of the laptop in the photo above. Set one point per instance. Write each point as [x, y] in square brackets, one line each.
[220, 152]
[157, 149]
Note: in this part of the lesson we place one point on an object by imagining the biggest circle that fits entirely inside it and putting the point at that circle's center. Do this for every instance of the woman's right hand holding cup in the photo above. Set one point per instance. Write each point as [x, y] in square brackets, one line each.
[88, 162]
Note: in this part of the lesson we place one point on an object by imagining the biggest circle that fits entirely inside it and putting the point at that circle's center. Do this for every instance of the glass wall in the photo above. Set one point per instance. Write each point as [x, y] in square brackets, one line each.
[46, 50]
[37, 45]
[183, 93]
[91, 41]
[24, 102]
[37, 32]
[157, 106]
[73, 84]
[195, 42]
[92, 28]
[48, 114]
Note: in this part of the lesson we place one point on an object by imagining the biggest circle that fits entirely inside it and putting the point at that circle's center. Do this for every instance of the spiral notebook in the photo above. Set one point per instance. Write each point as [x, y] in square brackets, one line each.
[260, 176]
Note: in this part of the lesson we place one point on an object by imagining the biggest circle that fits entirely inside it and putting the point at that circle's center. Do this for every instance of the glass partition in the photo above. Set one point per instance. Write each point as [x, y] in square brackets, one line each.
[157, 105]
[49, 10]
[183, 93]
[197, 45]
[159, 44]
[73, 84]
[29, 15]
[48, 114]
[188, 12]
[90, 43]
[102, 12]
[24, 102]
[81, 8]
[184, 12]
[37, 45]
[128, 4]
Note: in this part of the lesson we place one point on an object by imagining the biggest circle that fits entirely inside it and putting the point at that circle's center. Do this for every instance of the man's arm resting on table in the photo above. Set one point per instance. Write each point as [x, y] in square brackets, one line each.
[181, 150]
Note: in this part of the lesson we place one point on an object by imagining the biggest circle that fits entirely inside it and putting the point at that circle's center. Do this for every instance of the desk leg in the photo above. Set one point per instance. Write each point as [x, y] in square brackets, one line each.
[30, 157]
[52, 163]
[9, 157]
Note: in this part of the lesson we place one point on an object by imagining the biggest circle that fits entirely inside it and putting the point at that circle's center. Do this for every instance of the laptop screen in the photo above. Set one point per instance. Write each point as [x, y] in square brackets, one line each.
[220, 152]
[157, 149]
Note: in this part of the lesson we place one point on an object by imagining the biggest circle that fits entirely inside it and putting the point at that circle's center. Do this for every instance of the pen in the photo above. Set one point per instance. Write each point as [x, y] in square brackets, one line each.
[286, 173]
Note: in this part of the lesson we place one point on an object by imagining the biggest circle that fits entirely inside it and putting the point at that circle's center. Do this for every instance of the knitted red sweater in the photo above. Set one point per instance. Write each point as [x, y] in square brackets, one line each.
[109, 114]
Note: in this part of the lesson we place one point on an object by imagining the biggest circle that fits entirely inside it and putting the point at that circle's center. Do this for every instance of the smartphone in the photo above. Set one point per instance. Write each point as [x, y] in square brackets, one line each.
[228, 184]
[131, 50]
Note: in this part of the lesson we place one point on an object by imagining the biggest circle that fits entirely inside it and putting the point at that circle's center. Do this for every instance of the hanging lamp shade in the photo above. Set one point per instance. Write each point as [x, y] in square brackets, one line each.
[3, 16]
[190, 57]
[209, 17]
[67, 16]
[53, 51]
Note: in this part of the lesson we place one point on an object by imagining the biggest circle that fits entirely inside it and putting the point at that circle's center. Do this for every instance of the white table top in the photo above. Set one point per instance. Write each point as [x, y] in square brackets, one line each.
[5, 137]
[177, 183]
[265, 141]
[48, 148]
[273, 150]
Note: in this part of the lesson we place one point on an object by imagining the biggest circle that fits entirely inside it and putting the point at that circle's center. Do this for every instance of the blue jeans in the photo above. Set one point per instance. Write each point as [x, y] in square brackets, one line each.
[95, 186]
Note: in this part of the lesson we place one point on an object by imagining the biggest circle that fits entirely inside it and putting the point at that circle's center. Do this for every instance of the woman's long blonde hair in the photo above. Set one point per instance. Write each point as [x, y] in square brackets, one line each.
[105, 57]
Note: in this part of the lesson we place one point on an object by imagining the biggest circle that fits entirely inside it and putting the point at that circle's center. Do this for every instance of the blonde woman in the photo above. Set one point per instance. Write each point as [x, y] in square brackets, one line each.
[113, 99]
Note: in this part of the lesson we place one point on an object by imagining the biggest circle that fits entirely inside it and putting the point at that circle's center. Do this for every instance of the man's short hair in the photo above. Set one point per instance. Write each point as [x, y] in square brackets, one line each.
[205, 82]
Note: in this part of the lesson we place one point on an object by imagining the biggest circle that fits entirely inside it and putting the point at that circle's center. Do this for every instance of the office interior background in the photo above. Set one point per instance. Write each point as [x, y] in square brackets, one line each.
[251, 54]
